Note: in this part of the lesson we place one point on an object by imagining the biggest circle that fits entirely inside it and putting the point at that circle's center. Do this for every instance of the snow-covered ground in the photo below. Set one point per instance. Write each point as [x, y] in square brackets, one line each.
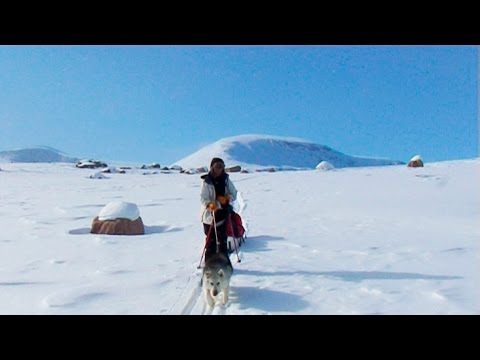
[373, 240]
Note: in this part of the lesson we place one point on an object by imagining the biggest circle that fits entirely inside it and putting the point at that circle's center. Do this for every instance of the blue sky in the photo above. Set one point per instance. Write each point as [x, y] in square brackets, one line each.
[162, 103]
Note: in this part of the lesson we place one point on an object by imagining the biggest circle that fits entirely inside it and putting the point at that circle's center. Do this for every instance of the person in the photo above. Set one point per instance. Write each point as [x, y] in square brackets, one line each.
[218, 191]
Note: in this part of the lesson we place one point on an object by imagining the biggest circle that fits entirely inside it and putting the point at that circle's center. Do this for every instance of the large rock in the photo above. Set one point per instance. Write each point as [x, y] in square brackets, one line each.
[324, 166]
[233, 169]
[90, 164]
[118, 227]
[415, 161]
[118, 218]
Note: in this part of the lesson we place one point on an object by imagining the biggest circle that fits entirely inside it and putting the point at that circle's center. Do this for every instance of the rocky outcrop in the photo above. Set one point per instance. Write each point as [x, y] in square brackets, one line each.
[90, 164]
[233, 169]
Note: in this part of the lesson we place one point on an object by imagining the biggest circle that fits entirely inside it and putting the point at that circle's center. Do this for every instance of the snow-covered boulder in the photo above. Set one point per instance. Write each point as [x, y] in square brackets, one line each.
[98, 175]
[118, 218]
[113, 170]
[324, 166]
[415, 161]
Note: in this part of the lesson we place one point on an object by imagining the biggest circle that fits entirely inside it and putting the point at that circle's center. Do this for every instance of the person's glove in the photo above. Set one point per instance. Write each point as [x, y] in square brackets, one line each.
[223, 199]
[211, 206]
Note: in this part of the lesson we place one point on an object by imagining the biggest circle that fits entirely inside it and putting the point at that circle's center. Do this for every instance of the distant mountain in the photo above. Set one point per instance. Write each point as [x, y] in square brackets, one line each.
[261, 151]
[42, 154]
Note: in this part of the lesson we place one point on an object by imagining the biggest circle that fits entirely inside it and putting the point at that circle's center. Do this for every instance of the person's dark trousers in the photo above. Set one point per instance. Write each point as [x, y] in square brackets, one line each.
[211, 249]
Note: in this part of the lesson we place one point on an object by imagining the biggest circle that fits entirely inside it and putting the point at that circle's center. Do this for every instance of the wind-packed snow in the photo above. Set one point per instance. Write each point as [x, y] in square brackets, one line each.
[364, 240]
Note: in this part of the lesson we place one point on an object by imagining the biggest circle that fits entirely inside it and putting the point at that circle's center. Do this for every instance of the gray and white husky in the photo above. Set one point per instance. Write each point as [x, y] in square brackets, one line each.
[216, 278]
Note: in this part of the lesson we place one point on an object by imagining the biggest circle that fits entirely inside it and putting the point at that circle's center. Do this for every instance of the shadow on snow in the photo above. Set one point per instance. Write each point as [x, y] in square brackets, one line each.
[355, 276]
[267, 300]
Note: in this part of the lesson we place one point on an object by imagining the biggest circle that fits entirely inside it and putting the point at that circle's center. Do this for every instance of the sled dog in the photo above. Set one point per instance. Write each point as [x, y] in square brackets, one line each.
[216, 278]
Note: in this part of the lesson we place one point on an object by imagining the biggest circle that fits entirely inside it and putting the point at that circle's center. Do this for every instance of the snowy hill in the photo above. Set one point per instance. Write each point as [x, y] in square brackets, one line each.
[255, 151]
[35, 155]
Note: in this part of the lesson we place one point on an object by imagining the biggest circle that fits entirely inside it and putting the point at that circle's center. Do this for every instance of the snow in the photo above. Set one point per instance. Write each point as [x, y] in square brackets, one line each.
[254, 152]
[325, 166]
[364, 240]
[98, 175]
[35, 155]
[251, 152]
[416, 158]
[119, 210]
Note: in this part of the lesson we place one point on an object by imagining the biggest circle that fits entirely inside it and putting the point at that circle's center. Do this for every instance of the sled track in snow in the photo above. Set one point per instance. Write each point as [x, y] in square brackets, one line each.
[195, 304]
[194, 295]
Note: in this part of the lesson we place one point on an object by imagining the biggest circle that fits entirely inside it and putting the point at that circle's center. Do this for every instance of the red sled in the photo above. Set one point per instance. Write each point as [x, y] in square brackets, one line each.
[235, 232]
